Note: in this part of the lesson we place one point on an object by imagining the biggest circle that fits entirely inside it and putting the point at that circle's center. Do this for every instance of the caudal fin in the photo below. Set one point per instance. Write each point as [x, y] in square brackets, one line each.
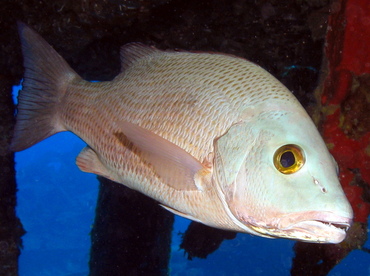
[45, 81]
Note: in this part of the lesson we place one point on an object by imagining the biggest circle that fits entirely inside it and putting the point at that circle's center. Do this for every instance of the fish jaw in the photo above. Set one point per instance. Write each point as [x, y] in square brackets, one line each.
[313, 226]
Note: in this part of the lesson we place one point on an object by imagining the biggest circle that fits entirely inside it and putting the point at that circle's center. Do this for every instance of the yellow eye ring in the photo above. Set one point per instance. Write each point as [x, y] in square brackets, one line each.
[289, 159]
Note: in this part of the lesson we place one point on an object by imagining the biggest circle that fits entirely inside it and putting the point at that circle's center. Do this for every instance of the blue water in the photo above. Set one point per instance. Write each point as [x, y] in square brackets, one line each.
[56, 204]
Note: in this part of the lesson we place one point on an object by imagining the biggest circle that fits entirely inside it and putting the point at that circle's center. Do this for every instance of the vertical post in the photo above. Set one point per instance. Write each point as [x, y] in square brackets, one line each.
[11, 229]
[131, 233]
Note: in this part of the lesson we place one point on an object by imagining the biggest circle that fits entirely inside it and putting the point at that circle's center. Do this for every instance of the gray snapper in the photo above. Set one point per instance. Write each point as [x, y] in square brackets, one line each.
[211, 137]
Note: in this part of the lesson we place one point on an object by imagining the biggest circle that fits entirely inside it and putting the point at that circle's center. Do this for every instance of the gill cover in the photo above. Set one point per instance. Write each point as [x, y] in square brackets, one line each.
[231, 151]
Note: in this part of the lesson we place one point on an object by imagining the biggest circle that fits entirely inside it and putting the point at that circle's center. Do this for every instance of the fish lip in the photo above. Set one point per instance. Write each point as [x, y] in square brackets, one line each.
[318, 232]
[321, 227]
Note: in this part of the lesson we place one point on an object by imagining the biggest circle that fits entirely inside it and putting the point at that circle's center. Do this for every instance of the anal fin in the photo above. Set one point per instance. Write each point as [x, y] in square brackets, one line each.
[88, 161]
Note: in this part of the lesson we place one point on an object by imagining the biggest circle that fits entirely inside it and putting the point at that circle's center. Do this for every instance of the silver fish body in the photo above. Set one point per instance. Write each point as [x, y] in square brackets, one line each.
[211, 137]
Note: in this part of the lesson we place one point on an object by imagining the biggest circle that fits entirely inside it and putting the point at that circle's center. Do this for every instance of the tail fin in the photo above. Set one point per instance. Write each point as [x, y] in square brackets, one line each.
[46, 79]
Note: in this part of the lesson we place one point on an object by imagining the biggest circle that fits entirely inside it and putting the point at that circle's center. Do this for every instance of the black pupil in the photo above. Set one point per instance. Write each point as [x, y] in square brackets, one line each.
[287, 159]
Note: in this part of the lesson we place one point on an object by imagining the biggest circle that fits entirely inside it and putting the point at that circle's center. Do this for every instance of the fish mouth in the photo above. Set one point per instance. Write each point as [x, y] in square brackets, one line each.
[314, 227]
[319, 227]
[317, 231]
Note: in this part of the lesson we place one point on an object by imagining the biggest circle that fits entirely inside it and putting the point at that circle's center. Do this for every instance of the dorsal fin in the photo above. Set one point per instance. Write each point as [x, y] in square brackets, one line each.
[132, 52]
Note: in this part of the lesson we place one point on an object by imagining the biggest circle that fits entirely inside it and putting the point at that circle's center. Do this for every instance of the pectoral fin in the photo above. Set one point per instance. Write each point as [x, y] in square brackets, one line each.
[176, 167]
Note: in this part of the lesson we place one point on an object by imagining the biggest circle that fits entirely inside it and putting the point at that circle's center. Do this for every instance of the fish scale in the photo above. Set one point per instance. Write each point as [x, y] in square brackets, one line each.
[106, 143]
[204, 134]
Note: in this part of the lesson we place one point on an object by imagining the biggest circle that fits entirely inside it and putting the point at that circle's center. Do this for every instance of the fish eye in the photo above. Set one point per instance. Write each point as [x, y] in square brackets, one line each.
[289, 159]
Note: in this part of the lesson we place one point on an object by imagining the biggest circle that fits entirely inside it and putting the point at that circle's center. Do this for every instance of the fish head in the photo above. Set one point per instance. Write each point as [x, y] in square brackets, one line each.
[276, 178]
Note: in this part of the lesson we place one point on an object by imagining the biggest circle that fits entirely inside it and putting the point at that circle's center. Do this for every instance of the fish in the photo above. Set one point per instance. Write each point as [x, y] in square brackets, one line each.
[211, 137]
